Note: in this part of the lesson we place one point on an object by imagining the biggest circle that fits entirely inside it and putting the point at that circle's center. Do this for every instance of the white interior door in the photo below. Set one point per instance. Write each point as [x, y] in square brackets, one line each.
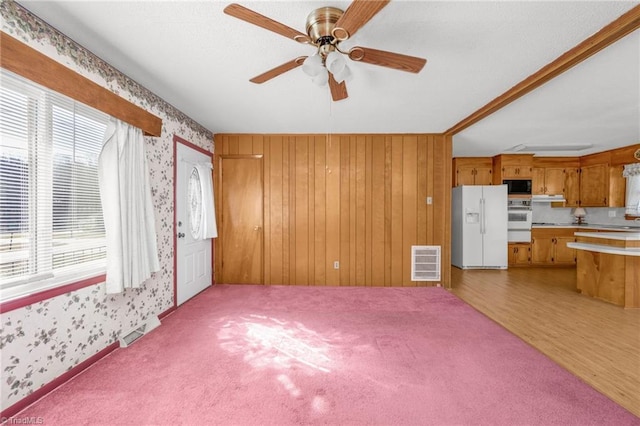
[193, 256]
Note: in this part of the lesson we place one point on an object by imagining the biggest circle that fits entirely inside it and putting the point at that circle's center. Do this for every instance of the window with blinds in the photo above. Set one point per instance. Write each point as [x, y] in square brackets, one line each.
[51, 229]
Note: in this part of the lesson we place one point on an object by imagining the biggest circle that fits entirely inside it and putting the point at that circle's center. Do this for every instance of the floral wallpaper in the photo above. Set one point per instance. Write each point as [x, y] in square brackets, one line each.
[42, 341]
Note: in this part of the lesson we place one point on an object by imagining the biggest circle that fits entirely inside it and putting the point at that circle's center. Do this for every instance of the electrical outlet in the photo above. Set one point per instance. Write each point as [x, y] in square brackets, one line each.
[612, 213]
[336, 265]
[429, 200]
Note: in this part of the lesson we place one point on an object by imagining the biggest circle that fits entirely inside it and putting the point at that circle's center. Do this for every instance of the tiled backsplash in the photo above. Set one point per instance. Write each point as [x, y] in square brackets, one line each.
[543, 212]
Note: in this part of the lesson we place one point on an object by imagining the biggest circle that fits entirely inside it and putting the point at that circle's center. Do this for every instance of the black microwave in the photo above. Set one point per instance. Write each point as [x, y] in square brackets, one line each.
[518, 186]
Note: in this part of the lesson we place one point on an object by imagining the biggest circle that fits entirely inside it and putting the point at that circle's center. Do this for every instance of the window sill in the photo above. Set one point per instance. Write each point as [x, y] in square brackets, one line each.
[27, 294]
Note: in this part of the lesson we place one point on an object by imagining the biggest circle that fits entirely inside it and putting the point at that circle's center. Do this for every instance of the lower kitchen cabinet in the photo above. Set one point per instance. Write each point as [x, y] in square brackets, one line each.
[563, 254]
[549, 246]
[541, 249]
[519, 254]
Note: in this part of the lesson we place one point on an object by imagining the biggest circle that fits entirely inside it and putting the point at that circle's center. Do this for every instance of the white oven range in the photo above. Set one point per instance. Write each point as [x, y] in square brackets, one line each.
[519, 220]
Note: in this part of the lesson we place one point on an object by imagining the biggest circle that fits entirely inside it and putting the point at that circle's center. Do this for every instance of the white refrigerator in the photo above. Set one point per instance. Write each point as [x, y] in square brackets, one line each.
[479, 227]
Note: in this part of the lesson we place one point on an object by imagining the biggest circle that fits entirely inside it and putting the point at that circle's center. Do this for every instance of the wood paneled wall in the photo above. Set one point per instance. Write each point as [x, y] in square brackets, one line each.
[358, 199]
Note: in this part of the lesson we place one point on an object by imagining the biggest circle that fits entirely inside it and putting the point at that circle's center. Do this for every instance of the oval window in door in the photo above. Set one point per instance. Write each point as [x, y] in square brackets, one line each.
[194, 194]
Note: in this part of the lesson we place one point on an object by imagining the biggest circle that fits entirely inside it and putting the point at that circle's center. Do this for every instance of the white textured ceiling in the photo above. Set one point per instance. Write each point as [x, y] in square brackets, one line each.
[200, 60]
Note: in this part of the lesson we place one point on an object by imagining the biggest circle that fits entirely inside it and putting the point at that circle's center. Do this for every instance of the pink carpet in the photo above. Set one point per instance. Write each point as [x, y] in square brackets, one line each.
[243, 355]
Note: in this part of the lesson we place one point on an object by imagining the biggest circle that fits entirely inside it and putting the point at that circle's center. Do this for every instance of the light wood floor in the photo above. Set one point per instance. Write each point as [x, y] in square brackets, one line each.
[596, 341]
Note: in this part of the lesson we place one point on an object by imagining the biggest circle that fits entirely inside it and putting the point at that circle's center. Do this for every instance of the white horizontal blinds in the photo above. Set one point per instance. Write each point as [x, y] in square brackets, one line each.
[78, 230]
[53, 145]
[15, 241]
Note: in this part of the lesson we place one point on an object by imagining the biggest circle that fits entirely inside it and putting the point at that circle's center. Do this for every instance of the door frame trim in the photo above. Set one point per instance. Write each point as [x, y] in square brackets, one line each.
[178, 140]
[218, 196]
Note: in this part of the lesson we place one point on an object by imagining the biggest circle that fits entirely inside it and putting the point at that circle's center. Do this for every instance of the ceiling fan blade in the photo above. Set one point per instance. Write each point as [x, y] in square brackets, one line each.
[281, 69]
[357, 14]
[387, 59]
[338, 90]
[255, 18]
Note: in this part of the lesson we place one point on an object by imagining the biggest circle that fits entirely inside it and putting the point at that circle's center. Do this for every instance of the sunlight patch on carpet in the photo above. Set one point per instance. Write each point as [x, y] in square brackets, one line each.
[266, 342]
[289, 385]
[319, 404]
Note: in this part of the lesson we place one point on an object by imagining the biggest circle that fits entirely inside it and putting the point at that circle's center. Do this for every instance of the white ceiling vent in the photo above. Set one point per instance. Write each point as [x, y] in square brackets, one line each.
[130, 337]
[425, 263]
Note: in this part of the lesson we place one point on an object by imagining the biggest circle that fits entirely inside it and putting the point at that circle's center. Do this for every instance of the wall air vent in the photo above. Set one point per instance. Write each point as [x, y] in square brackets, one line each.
[425, 263]
[556, 147]
[128, 338]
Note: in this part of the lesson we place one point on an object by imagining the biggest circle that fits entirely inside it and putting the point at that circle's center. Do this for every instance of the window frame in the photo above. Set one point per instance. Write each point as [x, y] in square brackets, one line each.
[29, 63]
[32, 287]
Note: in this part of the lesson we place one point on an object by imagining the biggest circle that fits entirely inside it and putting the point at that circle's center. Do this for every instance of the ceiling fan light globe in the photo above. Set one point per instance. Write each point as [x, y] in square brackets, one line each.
[344, 75]
[322, 78]
[335, 62]
[312, 66]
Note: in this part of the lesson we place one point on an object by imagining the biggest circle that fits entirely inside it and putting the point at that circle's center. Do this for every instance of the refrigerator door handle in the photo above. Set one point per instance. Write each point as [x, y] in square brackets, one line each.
[484, 215]
[483, 218]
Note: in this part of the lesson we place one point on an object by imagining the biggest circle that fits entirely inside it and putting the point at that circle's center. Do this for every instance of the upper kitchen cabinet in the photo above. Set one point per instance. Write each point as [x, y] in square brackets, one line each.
[472, 171]
[601, 181]
[557, 176]
[572, 186]
[547, 181]
[512, 166]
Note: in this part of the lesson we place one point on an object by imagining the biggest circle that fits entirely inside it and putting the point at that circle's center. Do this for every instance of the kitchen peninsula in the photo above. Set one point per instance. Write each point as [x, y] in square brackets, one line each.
[608, 266]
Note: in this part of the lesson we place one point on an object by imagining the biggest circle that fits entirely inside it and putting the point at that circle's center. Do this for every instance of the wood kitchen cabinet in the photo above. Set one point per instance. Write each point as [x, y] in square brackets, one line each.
[549, 246]
[601, 183]
[512, 166]
[519, 254]
[557, 176]
[572, 187]
[564, 255]
[472, 171]
[594, 186]
[537, 180]
[607, 276]
[541, 249]
[548, 181]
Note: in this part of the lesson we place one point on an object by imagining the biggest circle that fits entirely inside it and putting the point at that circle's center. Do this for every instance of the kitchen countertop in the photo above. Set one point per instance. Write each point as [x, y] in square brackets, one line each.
[601, 248]
[607, 248]
[594, 226]
[624, 236]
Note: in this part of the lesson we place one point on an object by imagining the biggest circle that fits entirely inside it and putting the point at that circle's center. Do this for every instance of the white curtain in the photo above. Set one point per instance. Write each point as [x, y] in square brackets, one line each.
[631, 170]
[209, 226]
[127, 208]
[632, 204]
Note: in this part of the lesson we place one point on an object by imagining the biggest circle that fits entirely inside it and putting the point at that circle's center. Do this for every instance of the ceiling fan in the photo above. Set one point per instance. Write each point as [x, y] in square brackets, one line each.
[326, 28]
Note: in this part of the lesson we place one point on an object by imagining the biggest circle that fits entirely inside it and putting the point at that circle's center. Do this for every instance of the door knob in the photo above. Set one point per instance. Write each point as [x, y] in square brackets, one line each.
[257, 228]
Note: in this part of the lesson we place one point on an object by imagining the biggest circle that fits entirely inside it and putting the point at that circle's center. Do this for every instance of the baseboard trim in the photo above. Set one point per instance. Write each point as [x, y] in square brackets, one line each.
[167, 312]
[58, 381]
[65, 377]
